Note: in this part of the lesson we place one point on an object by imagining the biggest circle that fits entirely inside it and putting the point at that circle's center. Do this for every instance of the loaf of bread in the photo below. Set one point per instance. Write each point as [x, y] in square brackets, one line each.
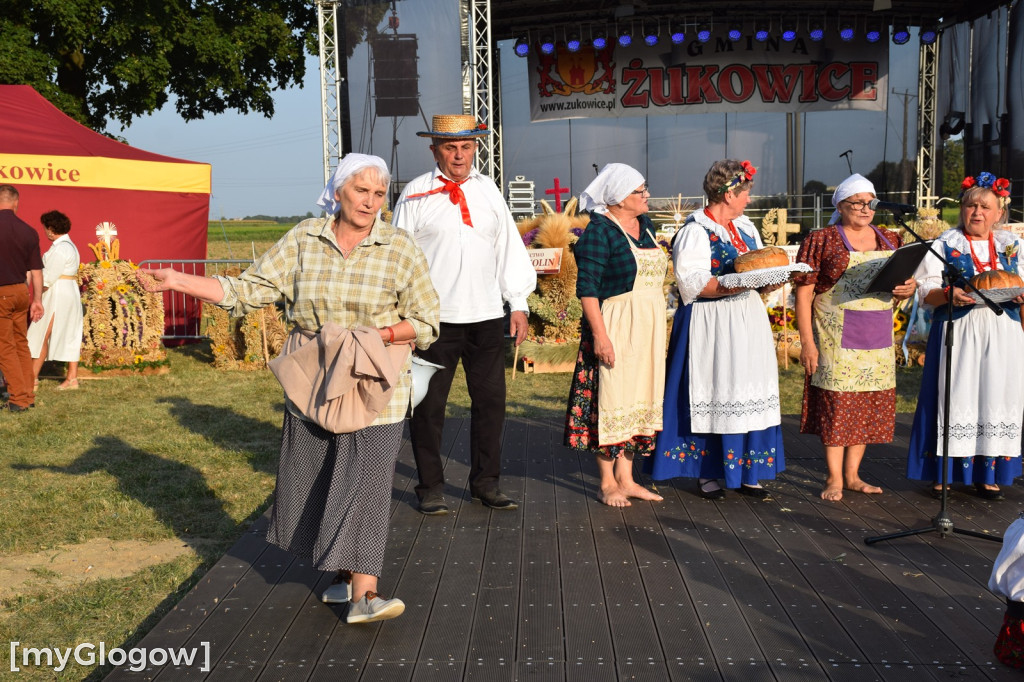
[995, 279]
[768, 257]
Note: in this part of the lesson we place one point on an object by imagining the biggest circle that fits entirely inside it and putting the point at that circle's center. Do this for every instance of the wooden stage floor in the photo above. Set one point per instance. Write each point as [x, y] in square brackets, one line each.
[565, 588]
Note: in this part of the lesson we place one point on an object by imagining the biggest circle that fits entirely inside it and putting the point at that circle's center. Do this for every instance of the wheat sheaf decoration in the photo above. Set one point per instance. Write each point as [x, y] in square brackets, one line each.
[122, 322]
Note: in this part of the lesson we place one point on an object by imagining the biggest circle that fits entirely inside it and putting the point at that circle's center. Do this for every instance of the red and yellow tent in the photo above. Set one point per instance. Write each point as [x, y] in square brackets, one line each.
[159, 204]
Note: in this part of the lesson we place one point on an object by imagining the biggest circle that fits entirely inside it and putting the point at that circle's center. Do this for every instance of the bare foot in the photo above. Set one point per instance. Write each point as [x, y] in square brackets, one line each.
[641, 493]
[613, 497]
[832, 493]
[859, 486]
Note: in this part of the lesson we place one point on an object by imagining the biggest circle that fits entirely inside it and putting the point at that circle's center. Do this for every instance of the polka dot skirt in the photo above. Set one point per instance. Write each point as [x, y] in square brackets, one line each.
[333, 493]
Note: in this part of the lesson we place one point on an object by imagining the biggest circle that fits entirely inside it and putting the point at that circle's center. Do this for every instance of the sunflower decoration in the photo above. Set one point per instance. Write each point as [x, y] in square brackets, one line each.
[122, 322]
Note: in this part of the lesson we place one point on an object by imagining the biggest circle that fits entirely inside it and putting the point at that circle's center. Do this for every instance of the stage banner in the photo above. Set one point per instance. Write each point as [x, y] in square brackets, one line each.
[717, 76]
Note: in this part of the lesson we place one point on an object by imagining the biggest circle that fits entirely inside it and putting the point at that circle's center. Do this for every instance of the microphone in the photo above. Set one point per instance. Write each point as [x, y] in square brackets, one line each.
[901, 209]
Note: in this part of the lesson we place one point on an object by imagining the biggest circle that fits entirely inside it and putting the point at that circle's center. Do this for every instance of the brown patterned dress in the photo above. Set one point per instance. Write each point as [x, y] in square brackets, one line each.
[842, 418]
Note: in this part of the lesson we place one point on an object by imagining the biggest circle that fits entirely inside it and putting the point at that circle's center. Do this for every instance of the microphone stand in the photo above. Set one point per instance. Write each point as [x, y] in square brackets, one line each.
[942, 523]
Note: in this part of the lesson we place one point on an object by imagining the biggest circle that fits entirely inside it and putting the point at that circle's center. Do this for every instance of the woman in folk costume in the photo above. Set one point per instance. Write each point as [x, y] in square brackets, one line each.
[986, 400]
[722, 397]
[616, 394]
[846, 336]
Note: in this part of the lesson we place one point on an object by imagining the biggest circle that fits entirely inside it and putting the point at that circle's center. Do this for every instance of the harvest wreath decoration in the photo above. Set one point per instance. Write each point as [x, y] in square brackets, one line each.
[123, 322]
[248, 342]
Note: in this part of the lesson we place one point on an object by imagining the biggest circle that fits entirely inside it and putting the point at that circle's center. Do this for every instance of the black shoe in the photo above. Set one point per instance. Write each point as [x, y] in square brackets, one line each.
[433, 505]
[988, 494]
[756, 493]
[495, 499]
[714, 494]
[16, 408]
[936, 492]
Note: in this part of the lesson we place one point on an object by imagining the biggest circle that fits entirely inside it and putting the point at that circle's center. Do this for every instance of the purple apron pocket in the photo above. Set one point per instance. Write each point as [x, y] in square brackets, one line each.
[867, 329]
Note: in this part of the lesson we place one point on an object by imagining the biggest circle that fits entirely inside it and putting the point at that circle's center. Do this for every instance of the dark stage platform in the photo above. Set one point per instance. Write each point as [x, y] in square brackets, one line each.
[568, 589]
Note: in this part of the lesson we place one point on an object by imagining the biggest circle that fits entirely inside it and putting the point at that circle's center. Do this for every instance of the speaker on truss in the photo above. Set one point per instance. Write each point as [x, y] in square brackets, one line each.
[395, 79]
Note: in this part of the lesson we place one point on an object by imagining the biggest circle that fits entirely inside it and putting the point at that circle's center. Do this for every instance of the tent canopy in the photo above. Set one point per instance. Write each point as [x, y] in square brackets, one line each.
[158, 204]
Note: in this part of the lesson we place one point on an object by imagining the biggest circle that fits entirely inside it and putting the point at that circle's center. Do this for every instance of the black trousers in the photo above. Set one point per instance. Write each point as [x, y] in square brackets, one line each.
[481, 347]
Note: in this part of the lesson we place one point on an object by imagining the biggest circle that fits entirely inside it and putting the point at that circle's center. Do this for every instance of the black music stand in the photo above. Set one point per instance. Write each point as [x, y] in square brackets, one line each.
[942, 523]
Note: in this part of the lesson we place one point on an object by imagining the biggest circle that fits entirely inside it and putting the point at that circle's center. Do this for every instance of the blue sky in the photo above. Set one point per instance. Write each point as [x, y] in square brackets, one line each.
[274, 166]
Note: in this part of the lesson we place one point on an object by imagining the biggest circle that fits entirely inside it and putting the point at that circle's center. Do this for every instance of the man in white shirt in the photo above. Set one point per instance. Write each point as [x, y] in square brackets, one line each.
[477, 260]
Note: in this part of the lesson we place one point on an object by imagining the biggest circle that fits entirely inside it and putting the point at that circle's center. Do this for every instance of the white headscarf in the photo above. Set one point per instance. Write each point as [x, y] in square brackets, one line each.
[855, 184]
[352, 164]
[615, 182]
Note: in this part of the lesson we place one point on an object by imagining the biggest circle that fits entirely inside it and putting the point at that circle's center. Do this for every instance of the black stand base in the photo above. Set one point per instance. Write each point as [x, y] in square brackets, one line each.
[941, 524]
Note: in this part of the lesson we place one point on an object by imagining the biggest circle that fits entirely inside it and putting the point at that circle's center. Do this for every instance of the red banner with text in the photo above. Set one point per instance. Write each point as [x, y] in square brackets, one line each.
[717, 76]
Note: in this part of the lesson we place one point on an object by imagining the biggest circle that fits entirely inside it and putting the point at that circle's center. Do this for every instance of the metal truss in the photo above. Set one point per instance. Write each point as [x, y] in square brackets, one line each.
[480, 94]
[927, 100]
[330, 84]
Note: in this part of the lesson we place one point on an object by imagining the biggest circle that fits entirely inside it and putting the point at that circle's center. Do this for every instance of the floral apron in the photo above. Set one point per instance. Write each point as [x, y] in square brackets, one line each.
[631, 394]
[853, 329]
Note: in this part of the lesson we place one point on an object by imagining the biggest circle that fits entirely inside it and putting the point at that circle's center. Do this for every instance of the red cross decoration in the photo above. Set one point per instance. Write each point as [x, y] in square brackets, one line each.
[558, 191]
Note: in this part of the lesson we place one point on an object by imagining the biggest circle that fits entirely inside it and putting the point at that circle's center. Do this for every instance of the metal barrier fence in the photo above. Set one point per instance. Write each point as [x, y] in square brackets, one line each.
[183, 314]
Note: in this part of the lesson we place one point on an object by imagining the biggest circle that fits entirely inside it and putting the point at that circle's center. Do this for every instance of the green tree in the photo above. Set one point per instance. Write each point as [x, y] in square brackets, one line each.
[952, 167]
[116, 60]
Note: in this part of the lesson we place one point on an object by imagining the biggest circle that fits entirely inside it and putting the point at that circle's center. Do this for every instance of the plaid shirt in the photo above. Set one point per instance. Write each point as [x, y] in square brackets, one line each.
[606, 264]
[383, 281]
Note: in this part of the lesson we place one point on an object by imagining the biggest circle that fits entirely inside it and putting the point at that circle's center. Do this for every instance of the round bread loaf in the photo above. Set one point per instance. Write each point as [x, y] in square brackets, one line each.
[996, 279]
[768, 257]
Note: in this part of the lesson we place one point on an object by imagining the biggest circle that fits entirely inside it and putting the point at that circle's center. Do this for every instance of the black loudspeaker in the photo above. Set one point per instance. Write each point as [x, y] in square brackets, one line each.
[395, 80]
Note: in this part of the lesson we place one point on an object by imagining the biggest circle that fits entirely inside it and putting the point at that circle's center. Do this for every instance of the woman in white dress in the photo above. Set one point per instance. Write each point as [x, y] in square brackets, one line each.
[57, 335]
[987, 399]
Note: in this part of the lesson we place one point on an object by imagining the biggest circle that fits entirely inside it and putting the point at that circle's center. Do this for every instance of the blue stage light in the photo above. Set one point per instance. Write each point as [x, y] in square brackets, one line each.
[703, 33]
[761, 31]
[735, 32]
[900, 34]
[873, 33]
[573, 43]
[846, 32]
[789, 30]
[625, 38]
[547, 45]
[600, 40]
[678, 34]
[522, 47]
[929, 34]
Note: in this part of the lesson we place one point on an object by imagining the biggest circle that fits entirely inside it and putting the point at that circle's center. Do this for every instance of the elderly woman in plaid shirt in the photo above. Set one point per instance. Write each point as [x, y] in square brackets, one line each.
[353, 270]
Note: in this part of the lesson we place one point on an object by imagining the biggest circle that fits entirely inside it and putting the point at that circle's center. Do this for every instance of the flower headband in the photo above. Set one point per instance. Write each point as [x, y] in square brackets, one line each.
[999, 186]
[746, 175]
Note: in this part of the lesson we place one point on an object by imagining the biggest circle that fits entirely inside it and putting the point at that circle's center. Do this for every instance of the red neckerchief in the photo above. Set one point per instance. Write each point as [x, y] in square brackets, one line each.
[992, 258]
[455, 195]
[734, 235]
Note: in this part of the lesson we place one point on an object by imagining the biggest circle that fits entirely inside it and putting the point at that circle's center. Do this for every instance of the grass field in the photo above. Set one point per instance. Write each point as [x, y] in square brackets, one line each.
[119, 496]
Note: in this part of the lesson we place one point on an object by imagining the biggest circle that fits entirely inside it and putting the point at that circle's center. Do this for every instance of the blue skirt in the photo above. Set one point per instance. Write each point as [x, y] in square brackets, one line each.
[736, 457]
[922, 464]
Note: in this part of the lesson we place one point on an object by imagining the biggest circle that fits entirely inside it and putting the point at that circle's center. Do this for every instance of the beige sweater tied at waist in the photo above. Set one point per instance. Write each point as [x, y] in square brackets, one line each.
[341, 379]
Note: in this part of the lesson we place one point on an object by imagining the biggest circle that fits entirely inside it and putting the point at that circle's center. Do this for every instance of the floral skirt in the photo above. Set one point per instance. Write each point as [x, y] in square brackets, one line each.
[581, 416]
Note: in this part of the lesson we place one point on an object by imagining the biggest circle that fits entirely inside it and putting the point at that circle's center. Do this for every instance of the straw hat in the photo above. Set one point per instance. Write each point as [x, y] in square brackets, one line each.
[455, 127]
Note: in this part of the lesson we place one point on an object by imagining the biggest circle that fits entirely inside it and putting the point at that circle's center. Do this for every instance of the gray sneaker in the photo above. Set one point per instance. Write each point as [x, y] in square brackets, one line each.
[373, 607]
[340, 591]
